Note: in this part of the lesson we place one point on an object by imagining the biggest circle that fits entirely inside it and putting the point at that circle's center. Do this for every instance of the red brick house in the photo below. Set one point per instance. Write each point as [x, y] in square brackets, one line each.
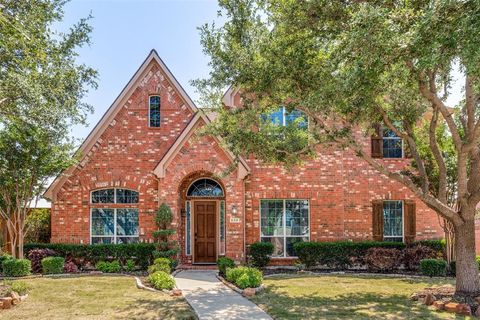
[146, 151]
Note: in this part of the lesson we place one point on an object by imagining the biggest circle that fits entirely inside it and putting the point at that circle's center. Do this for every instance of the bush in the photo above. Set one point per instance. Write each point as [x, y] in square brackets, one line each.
[70, 267]
[37, 255]
[165, 261]
[433, 267]
[161, 280]
[413, 256]
[436, 245]
[38, 224]
[159, 267]
[53, 265]
[383, 259]
[129, 265]
[109, 267]
[16, 267]
[250, 278]
[338, 254]
[223, 263]
[4, 257]
[141, 253]
[260, 253]
[234, 273]
[19, 287]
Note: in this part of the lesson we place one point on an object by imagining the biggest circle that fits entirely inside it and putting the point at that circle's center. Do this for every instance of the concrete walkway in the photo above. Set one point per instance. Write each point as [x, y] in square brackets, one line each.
[211, 299]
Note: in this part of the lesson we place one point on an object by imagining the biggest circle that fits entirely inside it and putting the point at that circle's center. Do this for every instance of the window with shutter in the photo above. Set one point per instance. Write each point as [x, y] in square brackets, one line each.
[409, 213]
[377, 220]
[377, 142]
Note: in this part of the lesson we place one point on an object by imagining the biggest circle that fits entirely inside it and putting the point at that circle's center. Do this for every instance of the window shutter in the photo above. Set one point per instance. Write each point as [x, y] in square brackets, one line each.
[377, 142]
[377, 220]
[409, 216]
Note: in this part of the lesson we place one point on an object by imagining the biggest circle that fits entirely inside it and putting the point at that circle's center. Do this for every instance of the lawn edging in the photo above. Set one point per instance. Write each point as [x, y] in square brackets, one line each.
[356, 274]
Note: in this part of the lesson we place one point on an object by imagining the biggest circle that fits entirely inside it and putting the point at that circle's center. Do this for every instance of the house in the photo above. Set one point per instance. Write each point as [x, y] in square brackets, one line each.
[146, 150]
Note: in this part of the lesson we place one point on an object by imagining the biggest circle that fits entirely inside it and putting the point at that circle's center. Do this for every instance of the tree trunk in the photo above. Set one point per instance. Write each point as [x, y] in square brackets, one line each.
[468, 281]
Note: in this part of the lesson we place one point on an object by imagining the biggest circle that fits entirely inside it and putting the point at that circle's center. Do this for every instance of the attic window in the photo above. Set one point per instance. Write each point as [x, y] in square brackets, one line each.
[154, 111]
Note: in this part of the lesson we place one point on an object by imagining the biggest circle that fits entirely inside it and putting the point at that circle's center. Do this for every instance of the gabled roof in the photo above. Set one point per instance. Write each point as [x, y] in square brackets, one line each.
[229, 95]
[160, 169]
[112, 112]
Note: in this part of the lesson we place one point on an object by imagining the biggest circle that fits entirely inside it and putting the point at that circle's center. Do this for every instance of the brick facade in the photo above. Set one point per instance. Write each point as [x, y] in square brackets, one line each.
[339, 186]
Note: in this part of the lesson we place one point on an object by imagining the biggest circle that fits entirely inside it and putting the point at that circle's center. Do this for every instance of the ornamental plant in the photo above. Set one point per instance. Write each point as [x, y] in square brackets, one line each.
[260, 253]
[53, 265]
[165, 248]
[16, 267]
[161, 280]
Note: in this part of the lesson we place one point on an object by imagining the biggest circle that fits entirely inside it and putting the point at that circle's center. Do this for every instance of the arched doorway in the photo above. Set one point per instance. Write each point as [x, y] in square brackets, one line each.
[205, 220]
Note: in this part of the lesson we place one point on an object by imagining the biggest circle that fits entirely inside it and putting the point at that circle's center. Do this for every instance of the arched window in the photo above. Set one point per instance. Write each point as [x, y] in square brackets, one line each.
[205, 188]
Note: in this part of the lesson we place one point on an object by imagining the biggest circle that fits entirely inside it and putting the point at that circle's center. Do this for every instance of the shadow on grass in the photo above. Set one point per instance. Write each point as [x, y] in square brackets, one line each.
[356, 305]
[150, 309]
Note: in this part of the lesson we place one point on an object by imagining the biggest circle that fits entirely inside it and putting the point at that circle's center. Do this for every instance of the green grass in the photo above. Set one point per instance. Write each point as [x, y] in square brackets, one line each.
[346, 297]
[95, 298]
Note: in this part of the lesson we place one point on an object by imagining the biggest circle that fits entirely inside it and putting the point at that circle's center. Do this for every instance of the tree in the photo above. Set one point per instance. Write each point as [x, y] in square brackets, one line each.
[41, 88]
[351, 64]
[165, 248]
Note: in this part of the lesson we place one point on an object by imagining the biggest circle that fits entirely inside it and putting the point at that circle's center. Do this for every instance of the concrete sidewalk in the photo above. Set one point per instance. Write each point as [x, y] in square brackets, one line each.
[211, 299]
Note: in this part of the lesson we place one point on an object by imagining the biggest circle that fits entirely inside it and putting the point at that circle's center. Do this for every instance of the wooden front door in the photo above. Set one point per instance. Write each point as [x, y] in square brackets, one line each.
[205, 232]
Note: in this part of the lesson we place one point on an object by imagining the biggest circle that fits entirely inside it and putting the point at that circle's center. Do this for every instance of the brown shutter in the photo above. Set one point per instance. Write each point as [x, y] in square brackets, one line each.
[409, 216]
[377, 220]
[377, 142]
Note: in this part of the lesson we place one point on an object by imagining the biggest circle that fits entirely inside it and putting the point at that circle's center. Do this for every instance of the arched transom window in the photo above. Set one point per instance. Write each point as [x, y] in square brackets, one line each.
[205, 188]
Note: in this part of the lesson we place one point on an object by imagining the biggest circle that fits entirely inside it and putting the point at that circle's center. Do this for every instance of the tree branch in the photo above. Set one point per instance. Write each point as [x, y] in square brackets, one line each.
[442, 168]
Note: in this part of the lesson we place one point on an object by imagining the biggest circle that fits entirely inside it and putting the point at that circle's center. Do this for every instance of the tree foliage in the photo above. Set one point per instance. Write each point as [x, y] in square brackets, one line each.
[348, 65]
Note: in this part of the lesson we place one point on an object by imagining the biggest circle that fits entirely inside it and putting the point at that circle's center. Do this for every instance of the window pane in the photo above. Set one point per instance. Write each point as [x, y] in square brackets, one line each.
[102, 222]
[155, 111]
[205, 188]
[103, 196]
[393, 220]
[222, 227]
[127, 239]
[271, 212]
[102, 240]
[290, 242]
[277, 245]
[188, 229]
[392, 148]
[296, 218]
[127, 222]
[127, 196]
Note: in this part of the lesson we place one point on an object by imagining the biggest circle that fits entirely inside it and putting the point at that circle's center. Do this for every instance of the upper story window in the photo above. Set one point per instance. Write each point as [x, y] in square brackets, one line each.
[392, 145]
[205, 188]
[154, 111]
[283, 117]
[114, 196]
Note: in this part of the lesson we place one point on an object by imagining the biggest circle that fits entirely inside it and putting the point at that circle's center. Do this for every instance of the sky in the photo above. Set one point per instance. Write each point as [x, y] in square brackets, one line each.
[123, 34]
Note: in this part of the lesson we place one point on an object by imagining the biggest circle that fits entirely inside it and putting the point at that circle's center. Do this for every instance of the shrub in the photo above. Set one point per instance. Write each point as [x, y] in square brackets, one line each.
[70, 267]
[141, 253]
[161, 280]
[433, 267]
[436, 245]
[109, 267]
[260, 253]
[250, 278]
[159, 267]
[37, 255]
[38, 224]
[16, 267]
[338, 254]
[413, 256]
[53, 265]
[19, 287]
[165, 261]
[129, 265]
[383, 259]
[234, 273]
[4, 257]
[223, 263]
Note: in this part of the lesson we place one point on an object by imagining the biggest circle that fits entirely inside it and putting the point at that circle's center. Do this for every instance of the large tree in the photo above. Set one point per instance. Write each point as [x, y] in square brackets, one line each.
[41, 88]
[351, 64]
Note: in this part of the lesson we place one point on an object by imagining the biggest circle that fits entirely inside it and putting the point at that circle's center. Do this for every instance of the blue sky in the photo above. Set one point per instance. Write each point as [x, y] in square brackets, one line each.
[125, 32]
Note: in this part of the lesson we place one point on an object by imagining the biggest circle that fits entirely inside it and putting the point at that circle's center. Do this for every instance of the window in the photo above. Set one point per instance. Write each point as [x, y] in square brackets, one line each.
[392, 145]
[188, 229]
[393, 221]
[221, 249]
[154, 111]
[283, 223]
[114, 225]
[205, 188]
[114, 196]
[283, 117]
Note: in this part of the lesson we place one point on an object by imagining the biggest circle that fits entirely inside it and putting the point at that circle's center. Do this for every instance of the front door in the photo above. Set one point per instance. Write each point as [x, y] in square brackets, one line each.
[205, 219]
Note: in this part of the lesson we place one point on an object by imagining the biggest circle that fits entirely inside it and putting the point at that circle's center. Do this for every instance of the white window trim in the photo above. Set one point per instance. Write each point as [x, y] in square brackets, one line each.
[394, 138]
[114, 196]
[403, 220]
[154, 95]
[284, 225]
[115, 236]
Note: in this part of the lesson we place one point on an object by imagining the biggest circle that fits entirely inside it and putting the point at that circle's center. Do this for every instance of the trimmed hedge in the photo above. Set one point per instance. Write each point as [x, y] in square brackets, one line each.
[436, 245]
[16, 267]
[161, 280]
[260, 253]
[338, 254]
[223, 263]
[245, 277]
[109, 267]
[433, 267]
[53, 265]
[4, 257]
[141, 253]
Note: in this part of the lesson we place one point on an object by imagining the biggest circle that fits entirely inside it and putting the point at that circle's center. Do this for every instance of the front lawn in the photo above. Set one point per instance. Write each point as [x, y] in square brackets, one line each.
[95, 298]
[346, 297]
